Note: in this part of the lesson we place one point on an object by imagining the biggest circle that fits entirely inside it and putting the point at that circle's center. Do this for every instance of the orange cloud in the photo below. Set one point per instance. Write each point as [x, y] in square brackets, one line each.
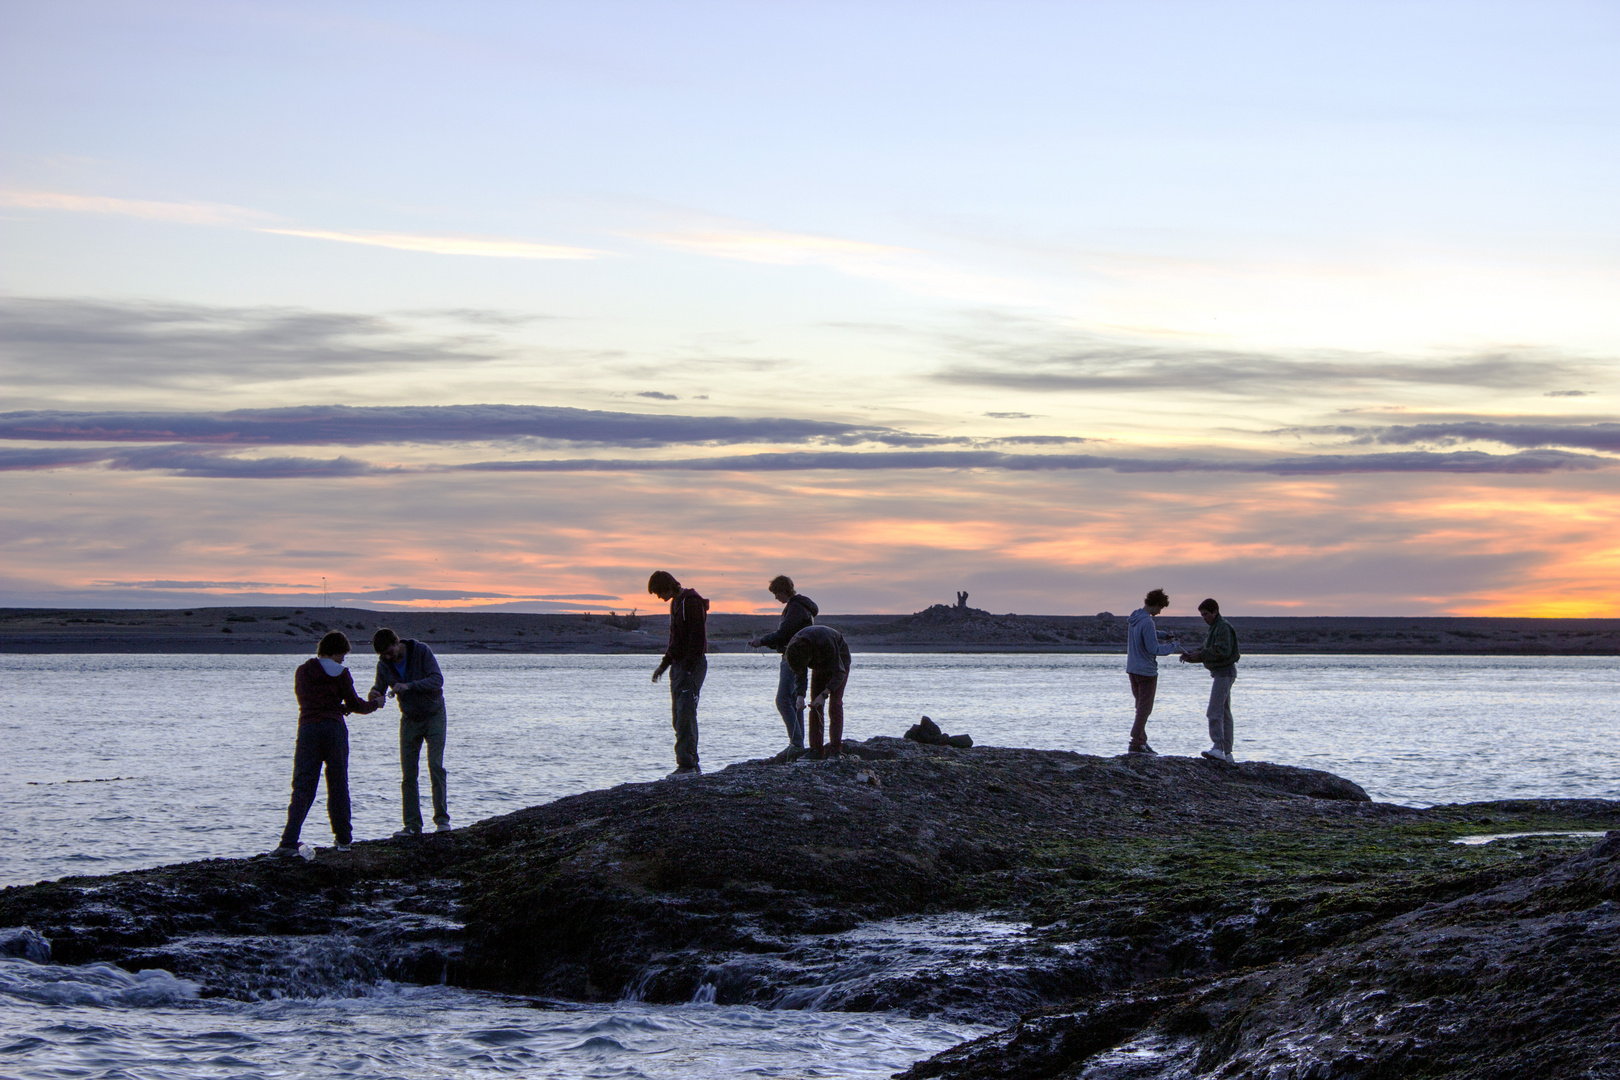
[869, 542]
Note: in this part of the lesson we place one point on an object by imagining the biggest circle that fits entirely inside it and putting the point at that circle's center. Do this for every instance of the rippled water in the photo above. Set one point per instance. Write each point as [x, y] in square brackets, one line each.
[118, 762]
[98, 1021]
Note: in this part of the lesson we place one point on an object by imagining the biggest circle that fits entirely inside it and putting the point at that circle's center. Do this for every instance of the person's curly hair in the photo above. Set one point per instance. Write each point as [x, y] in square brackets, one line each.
[1156, 598]
[333, 644]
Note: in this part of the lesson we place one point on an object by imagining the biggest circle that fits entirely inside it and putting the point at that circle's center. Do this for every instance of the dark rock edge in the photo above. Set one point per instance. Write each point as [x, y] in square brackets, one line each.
[1188, 917]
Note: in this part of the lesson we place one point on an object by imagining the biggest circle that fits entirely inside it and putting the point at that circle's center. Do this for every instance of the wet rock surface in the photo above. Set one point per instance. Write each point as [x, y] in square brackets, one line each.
[1520, 980]
[1144, 916]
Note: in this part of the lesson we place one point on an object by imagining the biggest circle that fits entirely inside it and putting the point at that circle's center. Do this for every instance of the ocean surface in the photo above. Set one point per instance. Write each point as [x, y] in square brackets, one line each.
[118, 762]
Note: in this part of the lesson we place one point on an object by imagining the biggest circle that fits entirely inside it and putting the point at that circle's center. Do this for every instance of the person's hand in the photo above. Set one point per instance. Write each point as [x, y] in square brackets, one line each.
[798, 703]
[821, 699]
[398, 688]
[754, 643]
[658, 672]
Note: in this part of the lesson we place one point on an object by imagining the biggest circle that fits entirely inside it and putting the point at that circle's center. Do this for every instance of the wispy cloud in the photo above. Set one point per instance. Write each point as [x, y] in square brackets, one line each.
[47, 342]
[185, 213]
[345, 425]
[183, 461]
[221, 214]
[1465, 461]
[1603, 436]
[52, 457]
[488, 247]
[173, 584]
[217, 464]
[1095, 365]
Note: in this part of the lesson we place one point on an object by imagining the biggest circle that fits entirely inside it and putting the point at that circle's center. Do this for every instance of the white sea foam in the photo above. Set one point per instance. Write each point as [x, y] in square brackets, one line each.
[91, 984]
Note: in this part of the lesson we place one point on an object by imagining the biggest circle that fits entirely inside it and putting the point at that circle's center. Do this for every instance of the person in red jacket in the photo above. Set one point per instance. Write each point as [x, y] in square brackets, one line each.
[326, 694]
[686, 663]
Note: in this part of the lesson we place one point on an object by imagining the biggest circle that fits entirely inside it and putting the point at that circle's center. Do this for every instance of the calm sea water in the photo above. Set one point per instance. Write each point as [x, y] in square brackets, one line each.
[119, 762]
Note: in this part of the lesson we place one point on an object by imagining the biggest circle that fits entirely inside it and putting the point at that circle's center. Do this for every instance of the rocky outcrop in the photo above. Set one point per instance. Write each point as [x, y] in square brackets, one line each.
[1130, 906]
[1515, 981]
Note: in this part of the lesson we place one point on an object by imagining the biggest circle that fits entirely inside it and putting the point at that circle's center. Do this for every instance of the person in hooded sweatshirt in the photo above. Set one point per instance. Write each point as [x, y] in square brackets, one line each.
[326, 694]
[1144, 644]
[686, 662]
[798, 612]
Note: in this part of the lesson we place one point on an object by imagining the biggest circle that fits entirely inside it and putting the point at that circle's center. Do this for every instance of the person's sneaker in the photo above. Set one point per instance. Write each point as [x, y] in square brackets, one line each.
[340, 846]
[407, 834]
[1142, 748]
[1215, 754]
[685, 771]
[443, 826]
[284, 852]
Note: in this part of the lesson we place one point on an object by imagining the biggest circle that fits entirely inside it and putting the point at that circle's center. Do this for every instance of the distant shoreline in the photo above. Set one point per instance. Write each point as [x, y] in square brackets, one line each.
[940, 629]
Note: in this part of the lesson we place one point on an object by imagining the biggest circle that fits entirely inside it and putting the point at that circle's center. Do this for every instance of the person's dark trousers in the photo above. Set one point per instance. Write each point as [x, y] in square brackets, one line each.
[323, 743]
[685, 685]
[792, 719]
[1143, 687]
[834, 685]
[413, 732]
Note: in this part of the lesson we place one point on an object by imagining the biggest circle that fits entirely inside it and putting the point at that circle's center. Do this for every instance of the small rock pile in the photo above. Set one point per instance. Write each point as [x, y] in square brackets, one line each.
[929, 733]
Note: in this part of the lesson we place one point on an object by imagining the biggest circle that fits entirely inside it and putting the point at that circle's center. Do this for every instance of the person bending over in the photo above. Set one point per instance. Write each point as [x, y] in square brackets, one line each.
[326, 694]
[820, 653]
[798, 612]
[686, 663]
[1144, 644]
[408, 672]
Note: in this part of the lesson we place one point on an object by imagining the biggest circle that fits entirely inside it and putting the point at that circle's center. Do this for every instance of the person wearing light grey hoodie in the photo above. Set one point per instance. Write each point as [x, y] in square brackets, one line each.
[1144, 644]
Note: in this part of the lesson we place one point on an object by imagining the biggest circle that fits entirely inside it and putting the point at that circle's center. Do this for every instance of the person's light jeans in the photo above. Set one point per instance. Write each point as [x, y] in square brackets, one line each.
[792, 719]
[1220, 711]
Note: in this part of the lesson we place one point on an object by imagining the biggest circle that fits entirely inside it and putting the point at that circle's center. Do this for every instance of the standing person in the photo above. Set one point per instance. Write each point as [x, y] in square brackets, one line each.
[326, 694]
[1220, 655]
[821, 652]
[798, 612]
[687, 665]
[408, 672]
[1144, 644]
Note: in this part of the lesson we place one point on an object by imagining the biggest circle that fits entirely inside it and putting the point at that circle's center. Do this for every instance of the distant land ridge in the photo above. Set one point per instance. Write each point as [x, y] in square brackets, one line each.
[941, 628]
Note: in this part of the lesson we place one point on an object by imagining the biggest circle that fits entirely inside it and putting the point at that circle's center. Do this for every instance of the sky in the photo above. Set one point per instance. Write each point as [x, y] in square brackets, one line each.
[1306, 307]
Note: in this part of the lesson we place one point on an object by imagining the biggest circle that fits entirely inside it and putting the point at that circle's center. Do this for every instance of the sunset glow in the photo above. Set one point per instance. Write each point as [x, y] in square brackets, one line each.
[514, 305]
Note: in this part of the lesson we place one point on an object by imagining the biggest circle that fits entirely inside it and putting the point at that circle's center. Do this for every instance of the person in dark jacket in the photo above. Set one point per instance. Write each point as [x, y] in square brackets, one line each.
[820, 653]
[1220, 655]
[686, 663]
[326, 694]
[798, 612]
[408, 672]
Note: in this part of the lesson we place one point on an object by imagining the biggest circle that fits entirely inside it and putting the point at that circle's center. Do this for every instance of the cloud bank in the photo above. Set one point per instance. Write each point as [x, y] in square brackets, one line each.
[49, 342]
[348, 425]
[1097, 365]
[180, 460]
